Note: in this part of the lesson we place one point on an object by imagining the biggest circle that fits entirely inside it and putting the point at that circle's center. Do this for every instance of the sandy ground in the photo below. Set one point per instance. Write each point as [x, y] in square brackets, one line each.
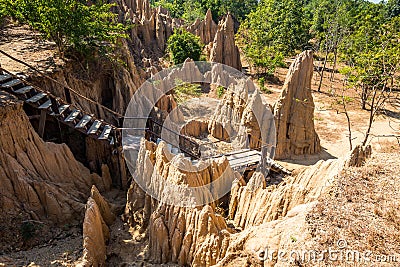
[62, 252]
[26, 45]
[332, 127]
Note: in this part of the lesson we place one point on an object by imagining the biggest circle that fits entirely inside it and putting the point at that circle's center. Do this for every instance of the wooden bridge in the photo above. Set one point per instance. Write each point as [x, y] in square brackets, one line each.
[66, 113]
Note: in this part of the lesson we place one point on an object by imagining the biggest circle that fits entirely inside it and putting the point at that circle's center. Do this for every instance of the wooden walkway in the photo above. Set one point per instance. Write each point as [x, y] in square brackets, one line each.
[247, 159]
[244, 159]
[50, 105]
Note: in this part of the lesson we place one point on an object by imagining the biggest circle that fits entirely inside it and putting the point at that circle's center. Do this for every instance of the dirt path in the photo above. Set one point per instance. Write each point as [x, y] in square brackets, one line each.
[26, 45]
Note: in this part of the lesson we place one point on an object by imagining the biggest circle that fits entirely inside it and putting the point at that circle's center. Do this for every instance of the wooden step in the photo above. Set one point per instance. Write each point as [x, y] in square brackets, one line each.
[5, 77]
[24, 90]
[72, 116]
[105, 133]
[45, 105]
[11, 83]
[83, 122]
[95, 127]
[36, 98]
[62, 108]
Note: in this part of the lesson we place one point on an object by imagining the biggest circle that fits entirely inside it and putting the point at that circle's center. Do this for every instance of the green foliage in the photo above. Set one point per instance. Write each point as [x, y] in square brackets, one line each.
[238, 8]
[261, 83]
[182, 45]
[220, 91]
[4, 10]
[274, 30]
[80, 25]
[346, 99]
[393, 8]
[372, 52]
[183, 91]
[190, 10]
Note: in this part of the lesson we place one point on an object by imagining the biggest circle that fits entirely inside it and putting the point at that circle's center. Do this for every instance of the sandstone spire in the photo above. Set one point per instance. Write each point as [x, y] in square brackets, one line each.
[224, 49]
[294, 111]
[205, 29]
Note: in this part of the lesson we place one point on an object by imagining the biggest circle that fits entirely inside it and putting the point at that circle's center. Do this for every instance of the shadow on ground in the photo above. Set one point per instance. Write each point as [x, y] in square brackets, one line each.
[308, 160]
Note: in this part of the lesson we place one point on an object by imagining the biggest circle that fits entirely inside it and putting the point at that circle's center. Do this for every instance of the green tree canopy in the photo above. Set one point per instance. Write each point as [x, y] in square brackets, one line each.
[80, 25]
[182, 45]
[190, 10]
[372, 52]
[274, 30]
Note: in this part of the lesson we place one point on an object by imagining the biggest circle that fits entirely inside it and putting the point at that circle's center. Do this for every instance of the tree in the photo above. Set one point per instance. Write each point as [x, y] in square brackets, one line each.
[192, 11]
[3, 11]
[182, 45]
[274, 30]
[80, 25]
[368, 49]
[375, 69]
[330, 23]
[238, 8]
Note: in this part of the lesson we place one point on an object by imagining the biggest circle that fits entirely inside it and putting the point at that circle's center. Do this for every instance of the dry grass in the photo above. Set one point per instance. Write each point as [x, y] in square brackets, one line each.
[363, 209]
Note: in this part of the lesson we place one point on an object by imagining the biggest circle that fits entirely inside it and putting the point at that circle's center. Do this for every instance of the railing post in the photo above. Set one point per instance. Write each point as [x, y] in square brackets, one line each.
[42, 122]
[67, 95]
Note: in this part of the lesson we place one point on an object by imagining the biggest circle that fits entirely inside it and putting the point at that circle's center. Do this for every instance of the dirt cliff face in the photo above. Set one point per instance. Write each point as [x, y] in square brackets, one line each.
[198, 236]
[294, 111]
[243, 118]
[176, 234]
[40, 181]
[255, 203]
[264, 215]
[110, 85]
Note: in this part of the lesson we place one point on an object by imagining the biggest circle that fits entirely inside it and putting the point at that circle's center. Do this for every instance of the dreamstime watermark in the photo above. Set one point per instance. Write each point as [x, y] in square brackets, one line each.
[340, 253]
[146, 101]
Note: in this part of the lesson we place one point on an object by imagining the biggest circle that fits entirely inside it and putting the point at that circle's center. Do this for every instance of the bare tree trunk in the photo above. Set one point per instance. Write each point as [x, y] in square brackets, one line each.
[371, 118]
[364, 97]
[323, 70]
[334, 63]
[348, 121]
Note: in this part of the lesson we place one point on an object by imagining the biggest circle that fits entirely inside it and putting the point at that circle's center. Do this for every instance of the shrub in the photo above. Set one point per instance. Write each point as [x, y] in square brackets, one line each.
[183, 91]
[183, 45]
[261, 82]
[28, 230]
[220, 91]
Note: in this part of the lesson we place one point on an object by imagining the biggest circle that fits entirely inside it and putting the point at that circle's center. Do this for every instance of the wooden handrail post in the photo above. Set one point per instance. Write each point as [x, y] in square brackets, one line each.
[42, 122]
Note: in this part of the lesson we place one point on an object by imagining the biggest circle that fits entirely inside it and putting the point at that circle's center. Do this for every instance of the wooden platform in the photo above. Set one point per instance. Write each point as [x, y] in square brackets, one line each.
[243, 159]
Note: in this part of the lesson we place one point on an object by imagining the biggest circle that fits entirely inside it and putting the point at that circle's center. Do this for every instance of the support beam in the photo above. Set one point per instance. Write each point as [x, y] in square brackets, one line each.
[42, 122]
[34, 117]
[67, 93]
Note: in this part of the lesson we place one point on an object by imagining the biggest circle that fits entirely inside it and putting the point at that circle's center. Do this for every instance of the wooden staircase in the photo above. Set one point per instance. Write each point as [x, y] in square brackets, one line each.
[50, 105]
